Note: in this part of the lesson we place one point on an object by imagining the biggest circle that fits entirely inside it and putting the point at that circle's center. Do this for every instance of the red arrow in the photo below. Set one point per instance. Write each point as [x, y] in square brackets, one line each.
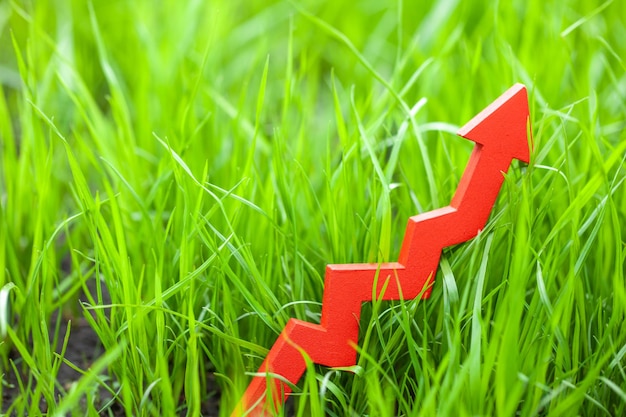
[500, 133]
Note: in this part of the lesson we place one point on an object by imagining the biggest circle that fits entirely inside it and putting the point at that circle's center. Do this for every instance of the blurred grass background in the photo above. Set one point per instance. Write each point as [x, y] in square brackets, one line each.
[177, 174]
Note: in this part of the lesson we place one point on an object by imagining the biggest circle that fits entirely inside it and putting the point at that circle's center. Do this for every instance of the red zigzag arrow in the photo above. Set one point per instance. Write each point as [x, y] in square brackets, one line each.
[500, 133]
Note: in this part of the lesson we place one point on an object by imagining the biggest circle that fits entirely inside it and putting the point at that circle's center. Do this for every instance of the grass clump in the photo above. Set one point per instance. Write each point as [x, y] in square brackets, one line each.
[175, 178]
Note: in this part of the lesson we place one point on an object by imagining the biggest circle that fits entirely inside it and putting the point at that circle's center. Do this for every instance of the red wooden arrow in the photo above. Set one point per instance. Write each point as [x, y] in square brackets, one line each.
[500, 133]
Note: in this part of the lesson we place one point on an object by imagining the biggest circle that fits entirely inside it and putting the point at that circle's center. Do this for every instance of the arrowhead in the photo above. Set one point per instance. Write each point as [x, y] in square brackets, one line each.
[502, 126]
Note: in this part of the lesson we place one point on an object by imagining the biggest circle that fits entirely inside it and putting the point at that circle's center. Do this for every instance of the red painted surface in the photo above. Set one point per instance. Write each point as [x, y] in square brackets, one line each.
[500, 134]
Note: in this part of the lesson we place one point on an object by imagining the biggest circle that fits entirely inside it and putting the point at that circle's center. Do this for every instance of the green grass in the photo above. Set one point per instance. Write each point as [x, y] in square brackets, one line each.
[179, 175]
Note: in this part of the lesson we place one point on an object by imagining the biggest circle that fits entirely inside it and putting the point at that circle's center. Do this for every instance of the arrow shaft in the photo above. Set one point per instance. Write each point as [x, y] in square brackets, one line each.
[347, 286]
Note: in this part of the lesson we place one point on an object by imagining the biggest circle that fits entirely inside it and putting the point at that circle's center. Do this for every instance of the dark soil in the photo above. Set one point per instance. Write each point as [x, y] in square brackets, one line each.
[82, 350]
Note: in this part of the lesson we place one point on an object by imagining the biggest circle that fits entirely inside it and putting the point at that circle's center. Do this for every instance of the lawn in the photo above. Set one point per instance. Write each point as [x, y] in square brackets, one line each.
[174, 177]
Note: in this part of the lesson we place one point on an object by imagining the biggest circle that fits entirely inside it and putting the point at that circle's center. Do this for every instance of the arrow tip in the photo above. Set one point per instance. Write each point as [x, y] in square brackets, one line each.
[503, 125]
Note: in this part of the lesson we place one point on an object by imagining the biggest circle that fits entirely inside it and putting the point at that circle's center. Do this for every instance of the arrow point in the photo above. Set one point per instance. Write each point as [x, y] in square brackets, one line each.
[502, 126]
